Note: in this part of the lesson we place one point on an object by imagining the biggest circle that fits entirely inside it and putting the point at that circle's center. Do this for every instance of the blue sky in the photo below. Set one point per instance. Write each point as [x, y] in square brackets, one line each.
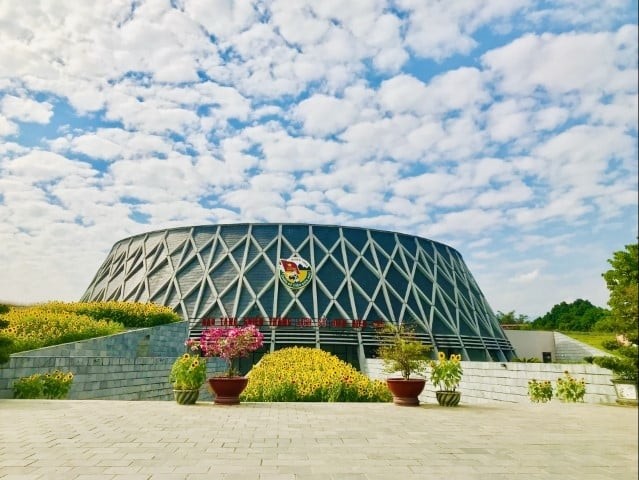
[504, 128]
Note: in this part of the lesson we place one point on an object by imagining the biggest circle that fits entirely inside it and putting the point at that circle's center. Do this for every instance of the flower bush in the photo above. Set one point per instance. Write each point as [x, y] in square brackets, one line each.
[129, 314]
[570, 389]
[51, 385]
[402, 352]
[299, 374]
[188, 372]
[6, 343]
[230, 344]
[36, 327]
[54, 323]
[193, 346]
[539, 391]
[446, 374]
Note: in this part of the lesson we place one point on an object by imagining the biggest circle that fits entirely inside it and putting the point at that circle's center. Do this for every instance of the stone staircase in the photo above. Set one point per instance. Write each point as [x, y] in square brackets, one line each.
[568, 349]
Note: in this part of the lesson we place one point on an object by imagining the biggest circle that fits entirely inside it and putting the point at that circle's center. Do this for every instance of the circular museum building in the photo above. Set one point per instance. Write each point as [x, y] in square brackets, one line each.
[326, 286]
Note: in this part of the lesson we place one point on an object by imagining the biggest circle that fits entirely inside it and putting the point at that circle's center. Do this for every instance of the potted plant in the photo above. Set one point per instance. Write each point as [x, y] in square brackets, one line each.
[402, 352]
[624, 368]
[446, 375]
[230, 344]
[188, 373]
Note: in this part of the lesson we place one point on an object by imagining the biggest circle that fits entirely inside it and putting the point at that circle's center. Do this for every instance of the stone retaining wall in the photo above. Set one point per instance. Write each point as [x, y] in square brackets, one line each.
[132, 365]
[508, 382]
[135, 365]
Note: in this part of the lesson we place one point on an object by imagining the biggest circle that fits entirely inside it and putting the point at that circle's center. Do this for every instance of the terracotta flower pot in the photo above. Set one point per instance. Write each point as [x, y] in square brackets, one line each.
[406, 392]
[448, 399]
[228, 389]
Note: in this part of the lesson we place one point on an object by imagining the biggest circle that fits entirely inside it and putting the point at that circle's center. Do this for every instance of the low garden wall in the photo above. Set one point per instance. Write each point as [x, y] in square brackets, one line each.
[132, 365]
[508, 382]
[135, 365]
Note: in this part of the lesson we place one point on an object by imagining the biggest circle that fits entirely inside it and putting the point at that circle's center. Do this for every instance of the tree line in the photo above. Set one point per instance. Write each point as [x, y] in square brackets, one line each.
[621, 279]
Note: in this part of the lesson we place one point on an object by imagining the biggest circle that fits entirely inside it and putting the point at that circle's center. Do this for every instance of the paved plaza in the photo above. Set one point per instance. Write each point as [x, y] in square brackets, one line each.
[83, 440]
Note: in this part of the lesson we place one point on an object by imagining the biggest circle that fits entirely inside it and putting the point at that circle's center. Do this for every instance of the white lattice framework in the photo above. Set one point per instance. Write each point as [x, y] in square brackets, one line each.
[358, 274]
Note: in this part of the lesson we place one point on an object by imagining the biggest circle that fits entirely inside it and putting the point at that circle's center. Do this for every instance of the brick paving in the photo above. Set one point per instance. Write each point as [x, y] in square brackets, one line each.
[120, 440]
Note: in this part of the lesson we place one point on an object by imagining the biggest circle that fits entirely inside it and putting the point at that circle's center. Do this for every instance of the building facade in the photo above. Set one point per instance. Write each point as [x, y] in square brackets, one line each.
[320, 285]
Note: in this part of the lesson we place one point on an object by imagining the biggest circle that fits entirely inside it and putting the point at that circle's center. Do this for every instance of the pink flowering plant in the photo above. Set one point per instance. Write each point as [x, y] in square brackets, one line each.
[230, 344]
[193, 347]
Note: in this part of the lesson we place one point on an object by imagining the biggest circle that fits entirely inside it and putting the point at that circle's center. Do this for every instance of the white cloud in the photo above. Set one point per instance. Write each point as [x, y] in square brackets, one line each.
[230, 17]
[26, 109]
[564, 63]
[516, 192]
[324, 115]
[6, 127]
[580, 156]
[549, 118]
[41, 166]
[285, 153]
[112, 143]
[437, 30]
[472, 221]
[97, 147]
[592, 13]
[507, 120]
[526, 277]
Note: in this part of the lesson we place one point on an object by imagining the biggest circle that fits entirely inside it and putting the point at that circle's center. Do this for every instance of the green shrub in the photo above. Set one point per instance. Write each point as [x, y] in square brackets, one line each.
[51, 385]
[526, 360]
[29, 387]
[310, 375]
[624, 365]
[129, 314]
[539, 391]
[570, 389]
[402, 352]
[611, 344]
[4, 308]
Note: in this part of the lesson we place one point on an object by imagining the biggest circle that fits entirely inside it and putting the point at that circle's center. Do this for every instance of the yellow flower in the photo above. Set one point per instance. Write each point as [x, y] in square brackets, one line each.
[441, 355]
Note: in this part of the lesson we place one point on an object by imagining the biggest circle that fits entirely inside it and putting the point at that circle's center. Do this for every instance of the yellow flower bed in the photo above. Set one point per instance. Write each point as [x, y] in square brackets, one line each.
[36, 327]
[129, 314]
[299, 374]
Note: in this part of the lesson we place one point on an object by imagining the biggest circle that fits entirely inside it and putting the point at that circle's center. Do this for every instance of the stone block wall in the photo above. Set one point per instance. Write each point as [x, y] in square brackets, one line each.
[508, 382]
[135, 366]
[132, 365]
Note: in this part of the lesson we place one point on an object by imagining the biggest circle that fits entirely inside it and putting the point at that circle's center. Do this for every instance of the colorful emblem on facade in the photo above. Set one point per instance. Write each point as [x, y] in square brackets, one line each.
[295, 272]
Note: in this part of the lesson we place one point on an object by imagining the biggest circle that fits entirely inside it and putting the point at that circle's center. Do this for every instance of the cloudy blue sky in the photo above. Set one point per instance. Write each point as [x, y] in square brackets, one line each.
[504, 128]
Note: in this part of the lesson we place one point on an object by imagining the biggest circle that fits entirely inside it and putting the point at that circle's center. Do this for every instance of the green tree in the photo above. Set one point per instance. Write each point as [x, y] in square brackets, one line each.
[578, 316]
[510, 318]
[622, 280]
